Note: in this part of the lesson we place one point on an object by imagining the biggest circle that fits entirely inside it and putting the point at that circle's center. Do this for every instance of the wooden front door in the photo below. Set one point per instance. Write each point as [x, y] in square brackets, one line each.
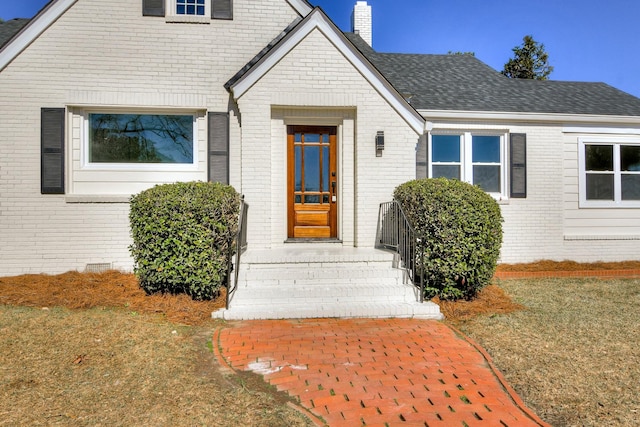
[312, 182]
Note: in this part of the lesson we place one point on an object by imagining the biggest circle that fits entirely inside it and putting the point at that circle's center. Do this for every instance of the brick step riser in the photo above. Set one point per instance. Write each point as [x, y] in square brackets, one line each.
[307, 298]
[325, 265]
[324, 274]
[334, 310]
[254, 293]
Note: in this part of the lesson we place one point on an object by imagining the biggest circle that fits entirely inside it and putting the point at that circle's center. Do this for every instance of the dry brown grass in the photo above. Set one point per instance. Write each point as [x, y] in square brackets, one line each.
[573, 353]
[123, 366]
[568, 346]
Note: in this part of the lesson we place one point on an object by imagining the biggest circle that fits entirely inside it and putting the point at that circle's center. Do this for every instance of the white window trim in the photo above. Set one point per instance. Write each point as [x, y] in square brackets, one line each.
[137, 167]
[617, 187]
[466, 153]
[172, 15]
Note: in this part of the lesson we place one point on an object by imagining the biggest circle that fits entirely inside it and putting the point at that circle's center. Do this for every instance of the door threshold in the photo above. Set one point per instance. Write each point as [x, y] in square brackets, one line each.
[312, 240]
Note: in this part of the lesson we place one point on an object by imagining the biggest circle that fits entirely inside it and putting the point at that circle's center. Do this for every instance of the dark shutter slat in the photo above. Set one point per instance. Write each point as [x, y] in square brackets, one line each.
[422, 159]
[222, 9]
[52, 150]
[219, 147]
[518, 165]
[153, 8]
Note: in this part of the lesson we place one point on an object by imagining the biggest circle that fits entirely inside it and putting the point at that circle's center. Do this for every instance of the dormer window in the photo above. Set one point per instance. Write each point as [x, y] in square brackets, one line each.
[196, 11]
[190, 7]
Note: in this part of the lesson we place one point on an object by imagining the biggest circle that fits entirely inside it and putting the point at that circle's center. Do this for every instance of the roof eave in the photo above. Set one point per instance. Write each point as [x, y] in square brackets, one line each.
[301, 6]
[529, 117]
[43, 19]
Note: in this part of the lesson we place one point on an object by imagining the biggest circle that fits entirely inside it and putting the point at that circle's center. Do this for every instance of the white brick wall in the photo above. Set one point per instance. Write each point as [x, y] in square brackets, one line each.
[106, 54]
[315, 74]
[548, 223]
[361, 21]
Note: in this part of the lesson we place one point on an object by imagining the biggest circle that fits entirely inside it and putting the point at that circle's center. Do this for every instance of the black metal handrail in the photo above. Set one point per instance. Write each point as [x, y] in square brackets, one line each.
[396, 233]
[239, 244]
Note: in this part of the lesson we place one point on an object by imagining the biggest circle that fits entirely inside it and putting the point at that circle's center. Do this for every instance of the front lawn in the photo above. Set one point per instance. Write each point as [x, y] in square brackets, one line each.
[573, 354]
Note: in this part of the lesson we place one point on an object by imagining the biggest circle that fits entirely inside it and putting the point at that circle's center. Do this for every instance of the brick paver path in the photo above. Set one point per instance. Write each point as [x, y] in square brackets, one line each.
[382, 372]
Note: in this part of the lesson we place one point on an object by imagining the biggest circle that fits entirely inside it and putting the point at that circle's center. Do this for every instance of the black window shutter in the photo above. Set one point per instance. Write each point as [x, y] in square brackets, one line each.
[518, 165]
[219, 147]
[422, 157]
[52, 150]
[222, 9]
[153, 7]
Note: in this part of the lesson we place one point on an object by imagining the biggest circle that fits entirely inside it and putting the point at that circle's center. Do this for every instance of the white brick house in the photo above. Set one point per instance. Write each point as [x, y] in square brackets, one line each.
[266, 103]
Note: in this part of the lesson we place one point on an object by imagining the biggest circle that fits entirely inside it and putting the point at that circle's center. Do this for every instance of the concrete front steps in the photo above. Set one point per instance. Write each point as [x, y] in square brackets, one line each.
[322, 280]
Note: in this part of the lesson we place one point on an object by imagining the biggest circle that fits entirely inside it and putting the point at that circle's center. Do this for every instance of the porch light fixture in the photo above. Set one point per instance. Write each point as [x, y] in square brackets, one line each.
[379, 143]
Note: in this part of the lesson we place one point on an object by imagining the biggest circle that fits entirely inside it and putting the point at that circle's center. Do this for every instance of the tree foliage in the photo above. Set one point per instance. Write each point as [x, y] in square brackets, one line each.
[530, 61]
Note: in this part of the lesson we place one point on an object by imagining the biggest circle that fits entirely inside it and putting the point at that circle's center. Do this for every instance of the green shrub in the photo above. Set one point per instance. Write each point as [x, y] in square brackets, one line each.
[462, 229]
[180, 237]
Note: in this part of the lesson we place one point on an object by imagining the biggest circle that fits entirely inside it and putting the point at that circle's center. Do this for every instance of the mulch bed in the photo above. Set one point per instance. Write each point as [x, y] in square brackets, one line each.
[76, 290]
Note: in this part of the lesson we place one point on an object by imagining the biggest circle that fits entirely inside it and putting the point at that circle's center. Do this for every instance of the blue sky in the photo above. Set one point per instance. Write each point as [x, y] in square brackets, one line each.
[587, 40]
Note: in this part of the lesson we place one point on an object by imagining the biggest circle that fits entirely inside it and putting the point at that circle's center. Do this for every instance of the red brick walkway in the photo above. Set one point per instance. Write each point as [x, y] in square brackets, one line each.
[375, 372]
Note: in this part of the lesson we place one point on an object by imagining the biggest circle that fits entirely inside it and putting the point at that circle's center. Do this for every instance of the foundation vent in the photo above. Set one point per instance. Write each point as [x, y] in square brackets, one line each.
[98, 268]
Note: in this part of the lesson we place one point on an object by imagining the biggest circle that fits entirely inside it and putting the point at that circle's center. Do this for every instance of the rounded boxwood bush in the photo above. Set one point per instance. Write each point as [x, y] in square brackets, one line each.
[461, 233]
[181, 235]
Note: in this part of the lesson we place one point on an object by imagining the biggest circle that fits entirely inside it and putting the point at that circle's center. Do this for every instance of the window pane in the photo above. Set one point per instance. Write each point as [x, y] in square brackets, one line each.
[487, 178]
[325, 168]
[598, 157]
[446, 148]
[485, 149]
[630, 158]
[312, 168]
[297, 137]
[311, 138]
[446, 171]
[140, 138]
[298, 168]
[599, 186]
[298, 199]
[630, 187]
[312, 199]
[325, 138]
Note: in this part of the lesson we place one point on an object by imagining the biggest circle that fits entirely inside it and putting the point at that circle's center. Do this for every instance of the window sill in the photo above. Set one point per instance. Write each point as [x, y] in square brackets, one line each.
[70, 198]
[188, 19]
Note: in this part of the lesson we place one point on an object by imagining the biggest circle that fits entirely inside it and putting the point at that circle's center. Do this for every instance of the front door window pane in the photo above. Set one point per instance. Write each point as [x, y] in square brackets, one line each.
[599, 157]
[487, 178]
[311, 168]
[325, 168]
[485, 149]
[314, 198]
[446, 148]
[600, 186]
[298, 168]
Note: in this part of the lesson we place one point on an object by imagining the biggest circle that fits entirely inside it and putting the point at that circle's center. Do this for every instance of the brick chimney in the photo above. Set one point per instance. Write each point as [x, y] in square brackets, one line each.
[361, 21]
